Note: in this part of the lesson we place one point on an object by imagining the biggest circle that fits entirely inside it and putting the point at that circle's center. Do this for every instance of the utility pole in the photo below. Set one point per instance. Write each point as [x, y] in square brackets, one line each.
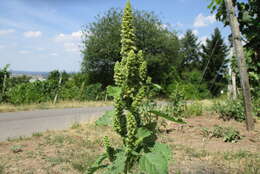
[239, 52]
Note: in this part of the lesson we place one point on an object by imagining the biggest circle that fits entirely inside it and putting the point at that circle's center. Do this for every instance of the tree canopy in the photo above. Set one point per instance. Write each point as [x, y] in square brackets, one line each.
[102, 46]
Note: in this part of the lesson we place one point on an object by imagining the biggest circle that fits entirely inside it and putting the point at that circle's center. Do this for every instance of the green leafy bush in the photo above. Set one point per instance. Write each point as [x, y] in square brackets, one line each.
[35, 92]
[228, 134]
[176, 104]
[93, 92]
[190, 90]
[230, 109]
[70, 91]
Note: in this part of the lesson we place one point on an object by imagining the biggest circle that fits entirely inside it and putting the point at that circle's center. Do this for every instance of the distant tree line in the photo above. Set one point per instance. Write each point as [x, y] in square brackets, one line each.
[19, 90]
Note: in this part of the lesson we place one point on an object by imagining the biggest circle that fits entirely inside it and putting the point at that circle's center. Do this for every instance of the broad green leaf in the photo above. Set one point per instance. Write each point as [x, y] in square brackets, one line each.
[167, 116]
[156, 162]
[118, 165]
[153, 163]
[157, 86]
[106, 119]
[113, 91]
[163, 149]
[141, 134]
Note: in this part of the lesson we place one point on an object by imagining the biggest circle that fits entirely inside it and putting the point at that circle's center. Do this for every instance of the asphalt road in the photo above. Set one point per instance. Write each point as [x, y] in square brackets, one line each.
[15, 124]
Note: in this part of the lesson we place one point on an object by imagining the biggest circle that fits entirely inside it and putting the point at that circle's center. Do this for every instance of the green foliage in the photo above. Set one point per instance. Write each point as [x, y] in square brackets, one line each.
[228, 134]
[13, 81]
[214, 62]
[160, 46]
[70, 91]
[167, 116]
[156, 161]
[176, 104]
[248, 17]
[256, 104]
[93, 92]
[56, 75]
[190, 84]
[4, 76]
[35, 92]
[106, 119]
[230, 109]
[190, 52]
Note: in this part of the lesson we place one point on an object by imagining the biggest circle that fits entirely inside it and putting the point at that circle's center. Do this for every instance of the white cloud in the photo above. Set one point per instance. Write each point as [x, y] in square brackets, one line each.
[202, 21]
[31, 34]
[195, 32]
[70, 41]
[8, 31]
[24, 52]
[2, 46]
[74, 36]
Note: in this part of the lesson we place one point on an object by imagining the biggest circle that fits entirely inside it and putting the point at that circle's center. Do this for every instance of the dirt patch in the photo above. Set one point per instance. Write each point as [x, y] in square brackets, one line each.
[73, 151]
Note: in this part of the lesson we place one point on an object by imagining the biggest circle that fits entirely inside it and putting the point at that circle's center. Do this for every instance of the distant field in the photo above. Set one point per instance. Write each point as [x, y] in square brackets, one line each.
[49, 105]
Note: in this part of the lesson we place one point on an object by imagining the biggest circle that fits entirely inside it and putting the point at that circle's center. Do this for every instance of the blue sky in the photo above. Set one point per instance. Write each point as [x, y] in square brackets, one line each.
[43, 35]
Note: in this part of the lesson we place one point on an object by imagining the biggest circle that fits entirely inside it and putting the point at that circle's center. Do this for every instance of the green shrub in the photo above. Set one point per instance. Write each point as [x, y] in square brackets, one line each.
[35, 92]
[228, 134]
[176, 104]
[230, 109]
[191, 91]
[70, 91]
[93, 92]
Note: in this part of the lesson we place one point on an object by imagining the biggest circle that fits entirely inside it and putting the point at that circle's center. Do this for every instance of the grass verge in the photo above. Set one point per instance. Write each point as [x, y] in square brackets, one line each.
[50, 105]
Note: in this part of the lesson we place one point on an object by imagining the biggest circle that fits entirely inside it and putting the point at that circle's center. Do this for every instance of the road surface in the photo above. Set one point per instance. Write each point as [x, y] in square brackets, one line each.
[15, 124]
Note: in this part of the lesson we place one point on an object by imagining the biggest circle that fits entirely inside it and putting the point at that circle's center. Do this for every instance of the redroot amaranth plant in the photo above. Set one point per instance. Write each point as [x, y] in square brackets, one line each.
[134, 126]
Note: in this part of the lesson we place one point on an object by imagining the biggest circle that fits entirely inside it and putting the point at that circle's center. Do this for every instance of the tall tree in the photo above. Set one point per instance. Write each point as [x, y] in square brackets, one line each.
[190, 50]
[214, 54]
[102, 46]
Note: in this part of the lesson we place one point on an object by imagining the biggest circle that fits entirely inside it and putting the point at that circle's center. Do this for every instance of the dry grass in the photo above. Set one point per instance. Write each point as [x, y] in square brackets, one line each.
[73, 151]
[50, 105]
